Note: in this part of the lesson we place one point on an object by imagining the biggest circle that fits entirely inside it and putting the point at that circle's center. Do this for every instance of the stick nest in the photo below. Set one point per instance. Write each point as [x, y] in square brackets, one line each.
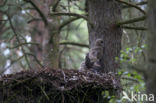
[56, 86]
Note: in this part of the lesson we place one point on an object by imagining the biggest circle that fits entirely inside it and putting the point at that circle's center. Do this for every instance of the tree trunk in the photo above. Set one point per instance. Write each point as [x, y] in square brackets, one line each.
[103, 14]
[151, 49]
[53, 47]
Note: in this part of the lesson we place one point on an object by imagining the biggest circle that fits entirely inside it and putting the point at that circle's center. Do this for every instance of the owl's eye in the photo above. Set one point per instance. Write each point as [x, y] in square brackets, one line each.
[101, 41]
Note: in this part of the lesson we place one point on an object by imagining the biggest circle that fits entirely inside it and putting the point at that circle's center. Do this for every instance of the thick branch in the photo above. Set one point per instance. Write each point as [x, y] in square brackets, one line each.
[134, 28]
[68, 22]
[131, 21]
[74, 44]
[69, 14]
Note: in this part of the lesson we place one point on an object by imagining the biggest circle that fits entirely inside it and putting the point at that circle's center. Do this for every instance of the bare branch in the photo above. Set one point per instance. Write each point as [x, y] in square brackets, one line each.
[18, 40]
[134, 28]
[3, 20]
[130, 79]
[35, 59]
[21, 44]
[73, 14]
[132, 5]
[74, 44]
[56, 5]
[138, 4]
[34, 19]
[39, 11]
[3, 4]
[14, 61]
[131, 21]
[68, 22]
[69, 14]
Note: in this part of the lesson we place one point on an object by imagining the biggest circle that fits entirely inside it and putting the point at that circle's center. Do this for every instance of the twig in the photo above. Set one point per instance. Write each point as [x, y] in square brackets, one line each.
[5, 1]
[62, 95]
[56, 5]
[39, 11]
[21, 44]
[64, 76]
[44, 92]
[34, 19]
[73, 14]
[14, 61]
[35, 59]
[132, 5]
[18, 40]
[140, 3]
[130, 79]
[3, 20]
[4, 29]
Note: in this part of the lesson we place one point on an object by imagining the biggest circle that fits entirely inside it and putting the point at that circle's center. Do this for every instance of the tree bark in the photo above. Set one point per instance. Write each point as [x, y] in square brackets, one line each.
[103, 14]
[53, 47]
[151, 49]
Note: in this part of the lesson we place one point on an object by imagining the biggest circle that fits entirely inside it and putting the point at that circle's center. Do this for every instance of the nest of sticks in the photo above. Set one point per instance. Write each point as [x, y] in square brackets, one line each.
[56, 86]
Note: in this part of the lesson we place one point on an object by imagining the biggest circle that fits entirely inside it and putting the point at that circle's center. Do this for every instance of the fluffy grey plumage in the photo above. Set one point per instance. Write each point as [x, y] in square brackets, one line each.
[96, 52]
[93, 58]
